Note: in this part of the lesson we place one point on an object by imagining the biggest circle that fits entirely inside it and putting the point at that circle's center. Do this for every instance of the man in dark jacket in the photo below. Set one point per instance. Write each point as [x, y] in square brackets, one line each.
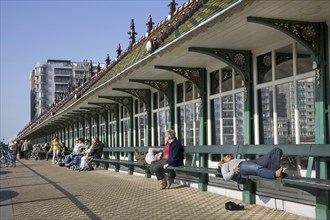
[95, 151]
[175, 158]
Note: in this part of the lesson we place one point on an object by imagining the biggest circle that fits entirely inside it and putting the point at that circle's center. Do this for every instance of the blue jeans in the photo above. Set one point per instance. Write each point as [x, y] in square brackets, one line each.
[264, 166]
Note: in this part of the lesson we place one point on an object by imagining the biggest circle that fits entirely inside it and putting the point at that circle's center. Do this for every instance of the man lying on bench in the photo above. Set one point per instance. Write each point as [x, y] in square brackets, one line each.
[267, 166]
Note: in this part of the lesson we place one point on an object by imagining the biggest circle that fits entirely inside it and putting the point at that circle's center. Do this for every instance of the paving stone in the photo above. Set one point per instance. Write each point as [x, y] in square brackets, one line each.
[41, 190]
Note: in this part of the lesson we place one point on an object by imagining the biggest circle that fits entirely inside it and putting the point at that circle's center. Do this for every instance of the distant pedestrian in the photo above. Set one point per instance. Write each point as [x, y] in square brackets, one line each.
[56, 149]
[25, 149]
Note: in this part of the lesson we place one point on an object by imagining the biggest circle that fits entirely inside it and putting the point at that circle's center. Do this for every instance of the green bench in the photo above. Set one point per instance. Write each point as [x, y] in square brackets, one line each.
[319, 155]
[128, 161]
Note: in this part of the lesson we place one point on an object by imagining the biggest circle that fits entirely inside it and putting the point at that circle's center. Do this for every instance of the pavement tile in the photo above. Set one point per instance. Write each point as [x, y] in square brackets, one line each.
[40, 190]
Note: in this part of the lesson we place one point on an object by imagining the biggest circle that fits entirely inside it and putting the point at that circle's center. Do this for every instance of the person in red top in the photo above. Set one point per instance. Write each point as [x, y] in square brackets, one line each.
[154, 154]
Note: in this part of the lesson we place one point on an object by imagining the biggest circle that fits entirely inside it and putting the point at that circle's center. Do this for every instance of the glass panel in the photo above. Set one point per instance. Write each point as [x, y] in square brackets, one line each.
[238, 81]
[142, 126]
[197, 93]
[306, 100]
[284, 65]
[304, 60]
[266, 115]
[239, 112]
[162, 127]
[161, 100]
[197, 113]
[226, 79]
[179, 93]
[264, 63]
[181, 125]
[125, 133]
[142, 109]
[189, 91]
[285, 113]
[155, 100]
[136, 106]
[189, 119]
[227, 118]
[215, 121]
[214, 82]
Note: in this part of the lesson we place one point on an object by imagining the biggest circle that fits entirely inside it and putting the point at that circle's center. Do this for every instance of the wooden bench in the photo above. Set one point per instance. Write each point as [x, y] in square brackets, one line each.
[319, 154]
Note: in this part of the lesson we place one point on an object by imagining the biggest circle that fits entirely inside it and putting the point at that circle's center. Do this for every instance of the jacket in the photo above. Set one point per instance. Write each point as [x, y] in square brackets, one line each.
[96, 150]
[176, 155]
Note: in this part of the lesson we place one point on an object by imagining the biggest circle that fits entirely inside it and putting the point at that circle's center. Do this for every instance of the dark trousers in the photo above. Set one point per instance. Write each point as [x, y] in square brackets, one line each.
[264, 166]
[157, 168]
[26, 155]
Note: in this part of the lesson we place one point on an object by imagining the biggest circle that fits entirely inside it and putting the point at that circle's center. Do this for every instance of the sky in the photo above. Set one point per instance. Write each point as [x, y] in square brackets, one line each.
[32, 32]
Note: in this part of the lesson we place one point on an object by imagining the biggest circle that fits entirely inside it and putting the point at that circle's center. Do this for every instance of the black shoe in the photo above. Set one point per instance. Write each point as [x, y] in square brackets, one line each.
[68, 164]
[233, 206]
[283, 175]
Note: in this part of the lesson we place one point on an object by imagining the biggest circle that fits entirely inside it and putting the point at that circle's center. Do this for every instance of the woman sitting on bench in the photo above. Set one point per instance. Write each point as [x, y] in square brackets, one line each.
[267, 166]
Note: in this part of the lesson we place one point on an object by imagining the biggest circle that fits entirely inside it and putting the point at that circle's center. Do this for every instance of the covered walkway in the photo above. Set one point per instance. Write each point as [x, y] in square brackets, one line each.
[40, 190]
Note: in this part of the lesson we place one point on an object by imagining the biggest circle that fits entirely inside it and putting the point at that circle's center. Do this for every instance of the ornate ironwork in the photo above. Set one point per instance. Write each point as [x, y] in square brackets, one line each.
[236, 59]
[94, 110]
[124, 100]
[307, 33]
[192, 74]
[161, 85]
[142, 94]
[107, 106]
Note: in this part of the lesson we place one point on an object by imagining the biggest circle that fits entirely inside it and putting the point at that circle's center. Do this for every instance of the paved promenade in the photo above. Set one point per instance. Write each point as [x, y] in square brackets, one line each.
[39, 190]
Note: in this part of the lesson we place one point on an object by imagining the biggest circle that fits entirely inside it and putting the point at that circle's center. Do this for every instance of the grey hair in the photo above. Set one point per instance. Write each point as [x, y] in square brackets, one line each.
[171, 133]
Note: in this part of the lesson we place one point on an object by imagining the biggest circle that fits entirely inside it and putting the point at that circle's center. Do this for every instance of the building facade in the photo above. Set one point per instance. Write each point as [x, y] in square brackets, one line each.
[51, 81]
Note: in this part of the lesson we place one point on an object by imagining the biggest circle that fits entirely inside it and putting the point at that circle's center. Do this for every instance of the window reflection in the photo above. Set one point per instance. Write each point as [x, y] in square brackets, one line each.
[285, 113]
[264, 64]
[284, 64]
[266, 119]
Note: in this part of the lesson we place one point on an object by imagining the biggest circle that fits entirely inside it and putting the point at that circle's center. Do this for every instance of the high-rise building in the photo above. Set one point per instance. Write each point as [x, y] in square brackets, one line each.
[52, 81]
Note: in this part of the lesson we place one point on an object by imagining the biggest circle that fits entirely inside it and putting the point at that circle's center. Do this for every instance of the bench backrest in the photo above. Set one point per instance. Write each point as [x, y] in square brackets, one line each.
[313, 150]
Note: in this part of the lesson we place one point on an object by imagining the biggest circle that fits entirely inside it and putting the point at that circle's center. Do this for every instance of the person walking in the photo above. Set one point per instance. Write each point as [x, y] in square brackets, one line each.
[56, 149]
[25, 149]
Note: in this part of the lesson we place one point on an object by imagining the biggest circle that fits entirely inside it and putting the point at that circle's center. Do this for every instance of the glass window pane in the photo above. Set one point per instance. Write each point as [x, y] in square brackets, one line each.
[197, 113]
[142, 126]
[189, 119]
[264, 64]
[215, 121]
[266, 115]
[136, 106]
[238, 81]
[226, 79]
[162, 127]
[179, 91]
[188, 91]
[197, 93]
[161, 100]
[306, 107]
[285, 113]
[239, 112]
[284, 64]
[227, 118]
[304, 60]
[155, 101]
[142, 109]
[214, 82]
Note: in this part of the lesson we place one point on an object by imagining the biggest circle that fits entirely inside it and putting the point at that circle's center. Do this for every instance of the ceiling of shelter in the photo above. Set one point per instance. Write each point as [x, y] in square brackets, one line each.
[227, 30]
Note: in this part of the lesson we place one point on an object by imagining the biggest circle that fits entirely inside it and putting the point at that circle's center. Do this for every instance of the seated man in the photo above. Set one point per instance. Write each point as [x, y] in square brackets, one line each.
[95, 151]
[77, 150]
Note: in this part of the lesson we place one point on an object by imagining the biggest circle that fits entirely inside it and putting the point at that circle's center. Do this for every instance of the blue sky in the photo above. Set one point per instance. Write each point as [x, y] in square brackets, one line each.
[35, 31]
